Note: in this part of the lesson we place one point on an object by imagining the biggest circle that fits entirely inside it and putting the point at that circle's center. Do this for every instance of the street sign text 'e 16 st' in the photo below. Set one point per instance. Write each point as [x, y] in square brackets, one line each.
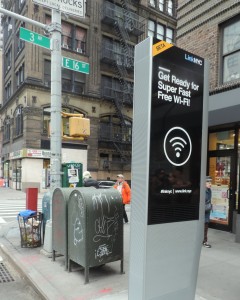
[71, 7]
[34, 38]
[75, 65]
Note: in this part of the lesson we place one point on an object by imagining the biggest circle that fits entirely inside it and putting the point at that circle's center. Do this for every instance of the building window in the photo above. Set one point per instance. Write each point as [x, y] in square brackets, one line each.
[80, 40]
[21, 3]
[170, 7]
[113, 51]
[8, 90]
[8, 59]
[47, 117]
[73, 38]
[151, 28]
[73, 82]
[47, 73]
[152, 3]
[113, 89]
[112, 129]
[18, 121]
[165, 6]
[6, 130]
[66, 35]
[231, 51]
[161, 5]
[20, 75]
[222, 140]
[19, 43]
[160, 31]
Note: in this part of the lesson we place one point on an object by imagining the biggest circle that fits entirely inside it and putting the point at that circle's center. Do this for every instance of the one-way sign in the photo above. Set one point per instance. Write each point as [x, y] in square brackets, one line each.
[71, 7]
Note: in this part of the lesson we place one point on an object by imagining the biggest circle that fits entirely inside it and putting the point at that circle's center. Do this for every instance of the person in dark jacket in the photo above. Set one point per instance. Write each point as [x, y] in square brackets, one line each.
[88, 181]
[208, 208]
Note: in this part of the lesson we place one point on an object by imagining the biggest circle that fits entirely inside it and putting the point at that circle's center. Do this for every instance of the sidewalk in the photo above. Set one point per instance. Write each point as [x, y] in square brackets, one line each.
[218, 278]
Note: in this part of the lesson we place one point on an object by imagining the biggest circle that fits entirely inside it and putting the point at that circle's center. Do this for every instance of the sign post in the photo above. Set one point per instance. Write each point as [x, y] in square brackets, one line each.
[168, 171]
[56, 107]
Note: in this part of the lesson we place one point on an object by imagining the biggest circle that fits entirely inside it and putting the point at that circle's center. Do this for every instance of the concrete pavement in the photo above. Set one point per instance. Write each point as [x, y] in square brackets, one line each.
[218, 279]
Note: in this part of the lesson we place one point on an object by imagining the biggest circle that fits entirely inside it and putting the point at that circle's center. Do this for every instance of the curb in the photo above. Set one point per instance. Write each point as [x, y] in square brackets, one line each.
[33, 277]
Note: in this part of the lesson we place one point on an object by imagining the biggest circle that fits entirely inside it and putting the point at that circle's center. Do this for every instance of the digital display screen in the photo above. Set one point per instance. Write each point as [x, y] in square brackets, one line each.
[176, 135]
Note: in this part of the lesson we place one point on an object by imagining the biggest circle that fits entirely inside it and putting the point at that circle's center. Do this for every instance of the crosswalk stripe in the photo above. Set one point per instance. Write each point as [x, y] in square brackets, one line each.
[9, 209]
[2, 220]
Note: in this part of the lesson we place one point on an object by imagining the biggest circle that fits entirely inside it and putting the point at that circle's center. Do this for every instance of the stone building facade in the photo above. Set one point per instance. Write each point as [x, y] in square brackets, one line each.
[105, 39]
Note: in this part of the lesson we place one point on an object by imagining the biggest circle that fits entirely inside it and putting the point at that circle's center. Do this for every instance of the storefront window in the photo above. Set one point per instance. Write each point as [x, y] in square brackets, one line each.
[220, 170]
[222, 140]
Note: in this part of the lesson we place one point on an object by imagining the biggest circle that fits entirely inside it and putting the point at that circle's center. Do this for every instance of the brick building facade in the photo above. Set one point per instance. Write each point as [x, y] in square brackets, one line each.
[211, 29]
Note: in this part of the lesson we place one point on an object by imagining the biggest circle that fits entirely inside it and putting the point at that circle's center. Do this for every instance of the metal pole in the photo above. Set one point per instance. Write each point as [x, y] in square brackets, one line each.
[56, 98]
[22, 18]
[55, 126]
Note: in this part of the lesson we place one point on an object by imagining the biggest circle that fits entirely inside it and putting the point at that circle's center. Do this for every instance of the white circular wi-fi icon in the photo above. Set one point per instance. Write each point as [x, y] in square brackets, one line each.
[179, 144]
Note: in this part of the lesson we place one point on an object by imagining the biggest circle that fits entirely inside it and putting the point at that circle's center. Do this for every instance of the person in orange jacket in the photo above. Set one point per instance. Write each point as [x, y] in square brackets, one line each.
[124, 189]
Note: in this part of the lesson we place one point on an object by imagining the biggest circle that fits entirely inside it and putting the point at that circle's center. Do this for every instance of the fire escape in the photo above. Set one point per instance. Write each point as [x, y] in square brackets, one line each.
[125, 22]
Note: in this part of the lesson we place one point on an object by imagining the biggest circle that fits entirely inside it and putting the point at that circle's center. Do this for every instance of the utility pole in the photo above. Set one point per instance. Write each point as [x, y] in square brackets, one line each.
[55, 126]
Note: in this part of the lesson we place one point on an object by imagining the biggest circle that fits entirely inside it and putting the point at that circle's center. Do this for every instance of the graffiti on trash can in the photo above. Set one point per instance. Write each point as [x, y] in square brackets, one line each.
[80, 205]
[103, 250]
[98, 202]
[77, 232]
[106, 226]
[77, 215]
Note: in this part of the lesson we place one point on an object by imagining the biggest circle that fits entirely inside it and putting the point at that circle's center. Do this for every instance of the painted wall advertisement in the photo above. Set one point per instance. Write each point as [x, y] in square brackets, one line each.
[176, 134]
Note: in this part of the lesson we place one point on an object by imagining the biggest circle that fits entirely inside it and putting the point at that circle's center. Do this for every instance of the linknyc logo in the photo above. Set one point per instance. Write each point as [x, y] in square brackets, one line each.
[193, 59]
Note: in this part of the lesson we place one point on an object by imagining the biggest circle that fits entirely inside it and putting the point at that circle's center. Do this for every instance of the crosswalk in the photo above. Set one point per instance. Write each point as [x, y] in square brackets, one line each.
[9, 209]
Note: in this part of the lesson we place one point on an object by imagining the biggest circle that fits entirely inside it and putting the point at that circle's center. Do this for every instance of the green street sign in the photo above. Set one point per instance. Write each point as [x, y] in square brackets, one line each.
[75, 65]
[34, 38]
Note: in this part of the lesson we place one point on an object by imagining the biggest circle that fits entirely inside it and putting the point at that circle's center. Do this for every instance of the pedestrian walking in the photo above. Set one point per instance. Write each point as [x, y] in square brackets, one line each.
[124, 189]
[208, 208]
[88, 181]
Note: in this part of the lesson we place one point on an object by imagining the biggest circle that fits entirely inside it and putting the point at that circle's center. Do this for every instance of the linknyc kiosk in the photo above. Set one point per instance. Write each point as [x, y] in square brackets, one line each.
[168, 171]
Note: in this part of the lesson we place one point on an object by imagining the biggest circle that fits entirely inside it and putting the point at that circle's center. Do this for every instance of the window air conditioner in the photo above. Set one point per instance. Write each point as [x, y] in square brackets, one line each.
[65, 46]
[79, 50]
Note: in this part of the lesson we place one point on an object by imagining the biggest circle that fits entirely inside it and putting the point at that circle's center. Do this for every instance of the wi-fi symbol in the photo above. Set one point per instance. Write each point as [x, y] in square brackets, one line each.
[178, 144]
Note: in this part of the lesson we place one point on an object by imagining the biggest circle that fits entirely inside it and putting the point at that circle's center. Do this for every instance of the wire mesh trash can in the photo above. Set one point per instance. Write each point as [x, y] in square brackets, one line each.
[30, 225]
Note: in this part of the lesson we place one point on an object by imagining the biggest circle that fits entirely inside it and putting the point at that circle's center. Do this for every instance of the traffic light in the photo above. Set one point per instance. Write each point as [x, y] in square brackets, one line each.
[75, 127]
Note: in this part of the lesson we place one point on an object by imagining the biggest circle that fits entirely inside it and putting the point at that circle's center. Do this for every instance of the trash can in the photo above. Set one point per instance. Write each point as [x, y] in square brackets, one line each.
[46, 210]
[59, 222]
[30, 225]
[95, 228]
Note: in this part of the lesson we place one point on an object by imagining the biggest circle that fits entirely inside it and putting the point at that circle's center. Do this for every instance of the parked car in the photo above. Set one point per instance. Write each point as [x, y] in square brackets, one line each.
[106, 184]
